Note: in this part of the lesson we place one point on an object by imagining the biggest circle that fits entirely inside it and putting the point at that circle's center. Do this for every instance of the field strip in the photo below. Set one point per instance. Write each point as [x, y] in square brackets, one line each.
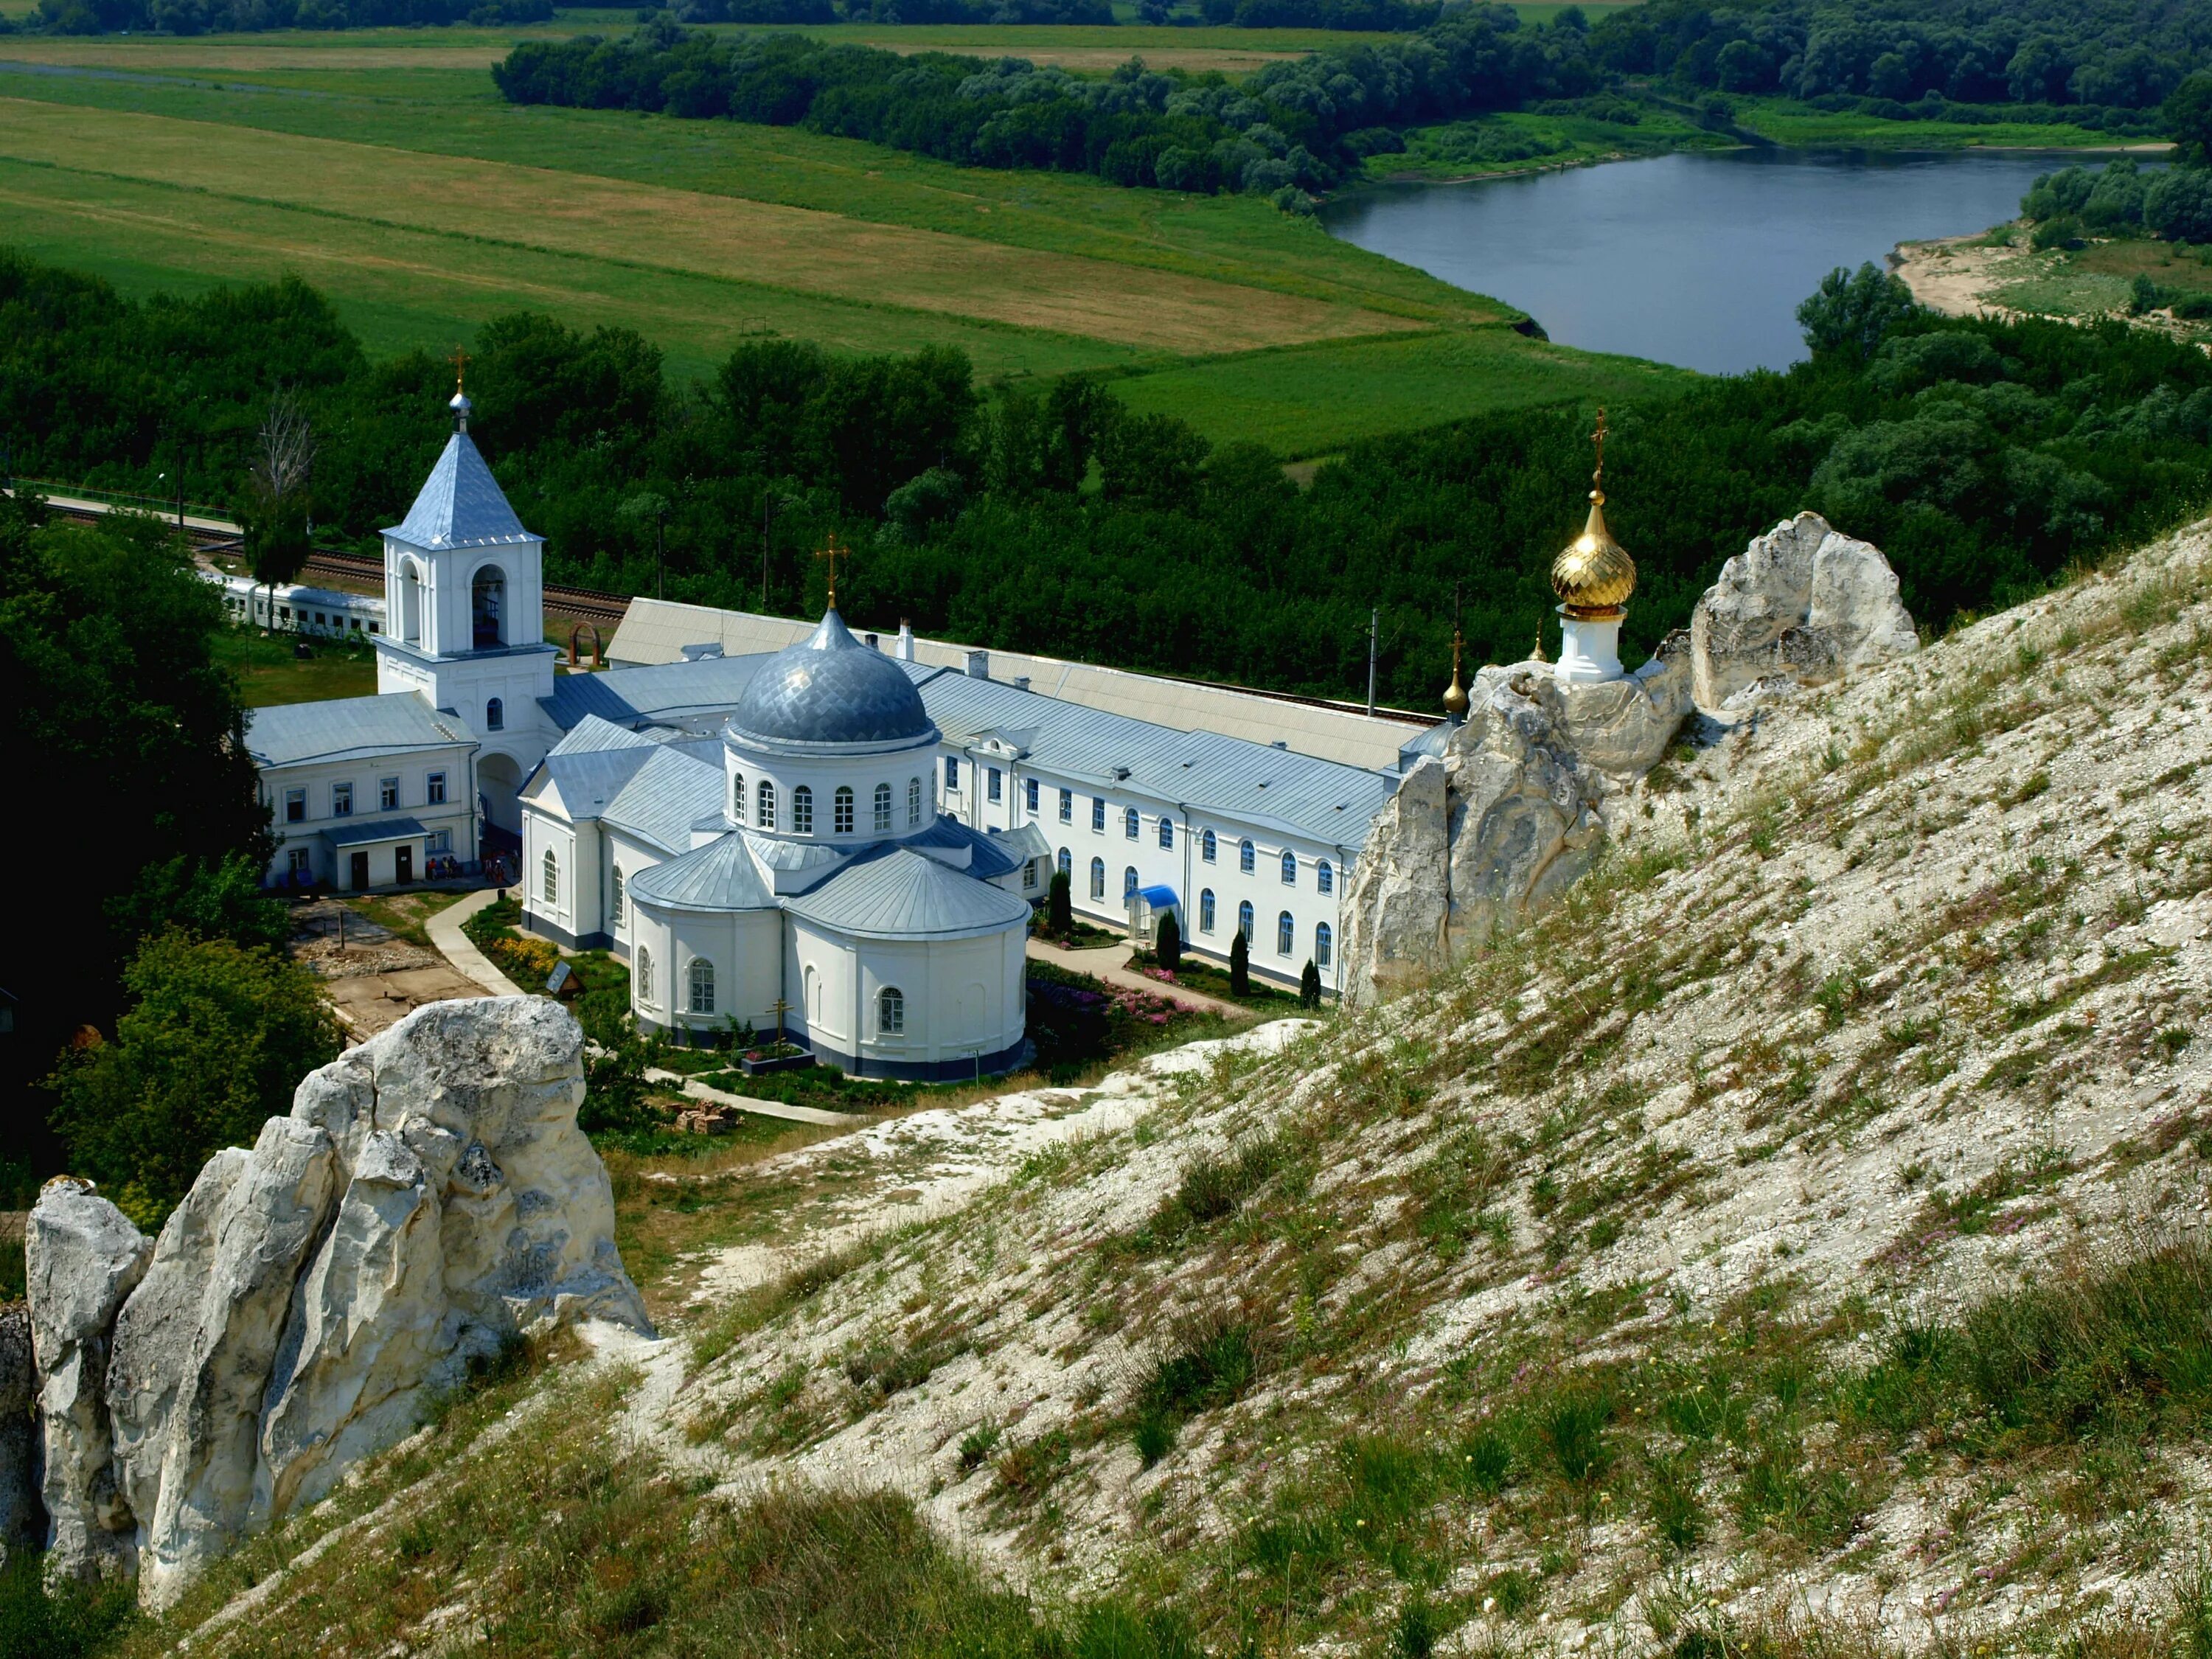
[797, 248]
[236, 57]
[428, 288]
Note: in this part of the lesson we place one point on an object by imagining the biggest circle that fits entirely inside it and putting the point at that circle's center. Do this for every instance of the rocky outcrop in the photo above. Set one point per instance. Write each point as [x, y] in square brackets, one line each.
[1490, 830]
[22, 1523]
[428, 1197]
[1801, 604]
[82, 1257]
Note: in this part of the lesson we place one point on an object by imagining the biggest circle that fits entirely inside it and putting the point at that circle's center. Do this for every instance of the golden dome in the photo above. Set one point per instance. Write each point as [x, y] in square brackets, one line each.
[1455, 698]
[1594, 576]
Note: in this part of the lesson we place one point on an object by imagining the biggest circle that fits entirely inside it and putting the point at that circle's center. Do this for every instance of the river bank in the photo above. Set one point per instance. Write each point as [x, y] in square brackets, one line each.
[1998, 273]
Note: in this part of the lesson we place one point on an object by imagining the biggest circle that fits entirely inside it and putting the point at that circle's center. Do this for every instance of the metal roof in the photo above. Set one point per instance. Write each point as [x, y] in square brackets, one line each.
[350, 728]
[672, 792]
[720, 876]
[655, 631]
[593, 734]
[898, 893]
[356, 835]
[671, 691]
[1204, 772]
[830, 689]
[460, 505]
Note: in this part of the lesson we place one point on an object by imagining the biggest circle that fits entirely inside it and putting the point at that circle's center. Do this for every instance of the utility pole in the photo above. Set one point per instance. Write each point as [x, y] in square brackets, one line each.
[1374, 636]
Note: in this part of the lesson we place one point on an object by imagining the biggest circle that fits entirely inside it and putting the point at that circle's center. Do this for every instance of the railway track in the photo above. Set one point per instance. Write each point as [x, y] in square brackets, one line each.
[604, 611]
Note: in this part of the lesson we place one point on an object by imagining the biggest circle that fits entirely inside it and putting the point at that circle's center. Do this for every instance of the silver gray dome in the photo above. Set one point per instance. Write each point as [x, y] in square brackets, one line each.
[831, 689]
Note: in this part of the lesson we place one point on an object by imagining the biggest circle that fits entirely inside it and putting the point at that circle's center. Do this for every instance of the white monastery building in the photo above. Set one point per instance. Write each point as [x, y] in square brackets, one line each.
[778, 827]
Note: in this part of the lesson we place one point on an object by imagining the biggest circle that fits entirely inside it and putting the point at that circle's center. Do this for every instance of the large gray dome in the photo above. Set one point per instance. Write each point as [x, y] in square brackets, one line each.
[831, 689]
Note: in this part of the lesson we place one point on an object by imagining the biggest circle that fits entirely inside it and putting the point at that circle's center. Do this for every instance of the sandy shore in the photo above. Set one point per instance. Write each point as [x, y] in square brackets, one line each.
[1953, 274]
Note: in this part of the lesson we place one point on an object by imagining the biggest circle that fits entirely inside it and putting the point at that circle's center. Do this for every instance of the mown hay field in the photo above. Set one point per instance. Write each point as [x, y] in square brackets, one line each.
[382, 166]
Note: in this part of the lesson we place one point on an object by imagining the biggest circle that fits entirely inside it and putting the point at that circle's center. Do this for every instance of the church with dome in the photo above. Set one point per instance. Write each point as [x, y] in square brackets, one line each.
[834, 836]
[794, 869]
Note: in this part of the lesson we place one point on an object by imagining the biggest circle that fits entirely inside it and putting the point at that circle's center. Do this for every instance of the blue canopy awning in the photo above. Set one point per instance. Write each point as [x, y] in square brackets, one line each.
[1160, 898]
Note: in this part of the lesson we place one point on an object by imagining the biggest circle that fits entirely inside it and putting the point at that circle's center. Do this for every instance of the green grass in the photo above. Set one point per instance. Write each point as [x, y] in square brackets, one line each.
[1786, 121]
[1307, 401]
[270, 672]
[1221, 310]
[1452, 150]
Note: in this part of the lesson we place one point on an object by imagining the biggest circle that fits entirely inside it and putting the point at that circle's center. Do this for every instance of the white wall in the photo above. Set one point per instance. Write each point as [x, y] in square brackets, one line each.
[456, 817]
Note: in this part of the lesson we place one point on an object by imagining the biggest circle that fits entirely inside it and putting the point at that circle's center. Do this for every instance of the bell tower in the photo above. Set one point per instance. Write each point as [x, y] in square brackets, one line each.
[464, 613]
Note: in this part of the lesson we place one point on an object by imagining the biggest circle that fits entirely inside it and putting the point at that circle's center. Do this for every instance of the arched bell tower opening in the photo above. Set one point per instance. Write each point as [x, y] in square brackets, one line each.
[488, 609]
[411, 602]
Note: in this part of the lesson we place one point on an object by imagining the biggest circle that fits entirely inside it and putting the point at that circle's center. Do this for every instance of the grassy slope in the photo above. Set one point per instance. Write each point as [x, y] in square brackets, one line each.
[120, 172]
[1758, 1258]
[1787, 122]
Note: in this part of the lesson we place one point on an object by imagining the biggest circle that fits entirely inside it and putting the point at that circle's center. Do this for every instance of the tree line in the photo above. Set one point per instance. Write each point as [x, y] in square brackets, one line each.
[232, 16]
[1042, 515]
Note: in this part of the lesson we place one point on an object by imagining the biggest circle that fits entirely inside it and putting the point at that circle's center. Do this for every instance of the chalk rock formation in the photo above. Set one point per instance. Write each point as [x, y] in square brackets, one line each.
[82, 1257]
[21, 1521]
[428, 1197]
[1492, 829]
[1802, 602]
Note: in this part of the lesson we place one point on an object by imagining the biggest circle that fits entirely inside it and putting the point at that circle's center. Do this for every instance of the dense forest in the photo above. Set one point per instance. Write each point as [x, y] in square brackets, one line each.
[212, 16]
[1983, 457]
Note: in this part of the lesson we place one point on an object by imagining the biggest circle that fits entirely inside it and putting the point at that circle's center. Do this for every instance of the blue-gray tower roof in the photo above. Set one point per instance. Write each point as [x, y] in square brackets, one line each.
[460, 505]
[830, 689]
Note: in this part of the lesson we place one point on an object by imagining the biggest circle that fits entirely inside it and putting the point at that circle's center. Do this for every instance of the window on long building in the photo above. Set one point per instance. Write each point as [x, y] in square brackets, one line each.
[1206, 911]
[1286, 934]
[1247, 857]
[1098, 878]
[1129, 823]
[1167, 831]
[1324, 877]
[1207, 847]
[1324, 944]
[1289, 869]
[1244, 920]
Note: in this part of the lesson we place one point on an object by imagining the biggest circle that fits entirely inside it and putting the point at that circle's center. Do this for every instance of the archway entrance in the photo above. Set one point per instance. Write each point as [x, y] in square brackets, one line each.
[499, 779]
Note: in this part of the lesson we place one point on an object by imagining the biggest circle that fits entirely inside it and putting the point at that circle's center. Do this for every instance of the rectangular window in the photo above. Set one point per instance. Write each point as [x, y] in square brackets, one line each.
[341, 800]
[1029, 795]
[295, 806]
[301, 864]
[438, 840]
[1098, 814]
[1030, 875]
[1067, 805]
[997, 784]
[387, 794]
[437, 794]
[951, 772]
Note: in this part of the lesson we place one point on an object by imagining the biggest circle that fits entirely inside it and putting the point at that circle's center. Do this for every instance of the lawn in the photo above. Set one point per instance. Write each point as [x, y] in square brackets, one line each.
[269, 673]
[1465, 149]
[381, 166]
[1787, 122]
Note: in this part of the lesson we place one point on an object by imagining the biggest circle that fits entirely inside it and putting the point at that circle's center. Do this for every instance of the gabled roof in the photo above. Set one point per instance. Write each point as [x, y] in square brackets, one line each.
[899, 893]
[720, 876]
[593, 734]
[350, 728]
[638, 697]
[460, 505]
[669, 794]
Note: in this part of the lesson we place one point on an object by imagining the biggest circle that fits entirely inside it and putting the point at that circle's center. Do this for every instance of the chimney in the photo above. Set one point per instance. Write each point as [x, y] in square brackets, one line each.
[1021, 681]
[874, 644]
[979, 665]
[905, 652]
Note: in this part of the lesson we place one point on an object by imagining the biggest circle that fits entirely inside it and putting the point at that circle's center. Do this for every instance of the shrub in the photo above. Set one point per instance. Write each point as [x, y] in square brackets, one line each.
[2064, 231]
[2178, 204]
[1167, 942]
[1240, 965]
[1059, 907]
[1310, 986]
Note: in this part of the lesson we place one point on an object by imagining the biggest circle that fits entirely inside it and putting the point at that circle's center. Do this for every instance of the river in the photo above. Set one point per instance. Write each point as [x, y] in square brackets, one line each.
[1698, 258]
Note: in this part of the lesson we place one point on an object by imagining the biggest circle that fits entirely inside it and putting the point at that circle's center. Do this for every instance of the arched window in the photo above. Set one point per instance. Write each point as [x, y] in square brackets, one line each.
[764, 805]
[1289, 869]
[487, 600]
[891, 1011]
[1066, 864]
[1325, 877]
[1206, 911]
[1098, 878]
[1324, 942]
[912, 802]
[1245, 857]
[549, 887]
[1284, 930]
[411, 602]
[1206, 847]
[702, 986]
[1128, 884]
[842, 811]
[802, 810]
[621, 919]
[1167, 831]
[1244, 920]
[738, 798]
[1129, 823]
[883, 808]
[644, 977]
[494, 715]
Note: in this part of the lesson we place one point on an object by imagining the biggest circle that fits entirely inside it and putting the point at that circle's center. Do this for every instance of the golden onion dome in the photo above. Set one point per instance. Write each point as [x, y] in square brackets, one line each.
[1456, 698]
[1594, 576]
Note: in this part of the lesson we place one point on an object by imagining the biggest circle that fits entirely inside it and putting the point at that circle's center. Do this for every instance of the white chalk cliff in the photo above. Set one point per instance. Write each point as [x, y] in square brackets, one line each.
[429, 1199]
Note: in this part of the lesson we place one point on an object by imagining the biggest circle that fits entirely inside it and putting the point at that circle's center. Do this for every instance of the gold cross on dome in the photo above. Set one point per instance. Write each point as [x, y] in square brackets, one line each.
[460, 360]
[1598, 439]
[833, 551]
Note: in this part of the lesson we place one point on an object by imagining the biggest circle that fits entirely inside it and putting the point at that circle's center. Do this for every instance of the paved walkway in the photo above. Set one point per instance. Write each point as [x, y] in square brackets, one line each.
[698, 1091]
[445, 931]
[1110, 962]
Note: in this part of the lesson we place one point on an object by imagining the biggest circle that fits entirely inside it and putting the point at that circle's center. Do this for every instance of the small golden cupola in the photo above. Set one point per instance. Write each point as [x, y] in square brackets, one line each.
[1594, 577]
[1456, 701]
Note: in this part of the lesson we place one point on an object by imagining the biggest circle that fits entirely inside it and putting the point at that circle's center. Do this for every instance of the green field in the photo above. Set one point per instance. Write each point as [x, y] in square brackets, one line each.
[383, 167]
[1787, 122]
